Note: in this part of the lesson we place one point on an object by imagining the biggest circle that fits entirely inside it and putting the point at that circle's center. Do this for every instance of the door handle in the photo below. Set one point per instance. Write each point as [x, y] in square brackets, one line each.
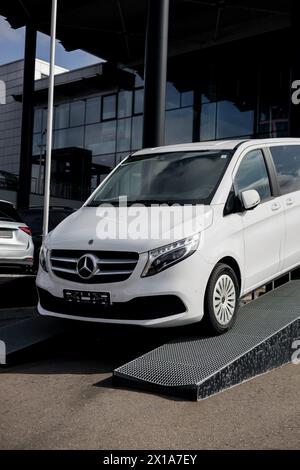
[275, 206]
[289, 201]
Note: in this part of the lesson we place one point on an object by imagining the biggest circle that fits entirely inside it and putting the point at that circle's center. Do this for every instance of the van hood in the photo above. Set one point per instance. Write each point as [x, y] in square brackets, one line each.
[134, 228]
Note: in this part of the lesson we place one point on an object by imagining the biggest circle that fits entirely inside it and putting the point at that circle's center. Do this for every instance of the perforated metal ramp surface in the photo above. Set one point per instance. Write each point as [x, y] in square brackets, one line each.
[260, 340]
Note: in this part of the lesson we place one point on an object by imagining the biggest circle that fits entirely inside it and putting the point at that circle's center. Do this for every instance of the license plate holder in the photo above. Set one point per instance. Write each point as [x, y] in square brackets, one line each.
[6, 233]
[87, 297]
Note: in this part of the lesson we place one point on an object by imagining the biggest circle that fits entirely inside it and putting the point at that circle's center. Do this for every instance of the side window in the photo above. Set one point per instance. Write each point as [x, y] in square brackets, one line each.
[252, 174]
[287, 163]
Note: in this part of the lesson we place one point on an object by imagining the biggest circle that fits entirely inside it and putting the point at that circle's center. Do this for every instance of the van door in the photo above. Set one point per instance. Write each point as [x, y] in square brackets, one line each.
[263, 227]
[287, 163]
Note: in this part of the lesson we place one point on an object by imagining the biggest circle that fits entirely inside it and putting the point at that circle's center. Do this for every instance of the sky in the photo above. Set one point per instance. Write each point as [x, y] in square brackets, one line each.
[12, 48]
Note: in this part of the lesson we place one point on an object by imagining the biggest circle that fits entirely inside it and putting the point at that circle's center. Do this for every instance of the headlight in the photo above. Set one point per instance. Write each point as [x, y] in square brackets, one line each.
[44, 258]
[168, 255]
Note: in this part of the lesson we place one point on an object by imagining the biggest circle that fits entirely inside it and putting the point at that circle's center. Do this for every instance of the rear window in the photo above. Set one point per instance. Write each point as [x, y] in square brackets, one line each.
[8, 213]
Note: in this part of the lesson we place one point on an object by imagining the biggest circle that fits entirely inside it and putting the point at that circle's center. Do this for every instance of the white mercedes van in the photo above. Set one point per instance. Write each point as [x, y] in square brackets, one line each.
[177, 234]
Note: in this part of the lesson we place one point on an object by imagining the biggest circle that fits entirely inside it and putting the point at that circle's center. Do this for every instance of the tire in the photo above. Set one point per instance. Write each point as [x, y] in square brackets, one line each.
[221, 301]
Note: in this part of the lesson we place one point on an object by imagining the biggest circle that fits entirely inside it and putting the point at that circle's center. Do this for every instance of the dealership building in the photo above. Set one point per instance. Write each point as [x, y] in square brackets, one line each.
[175, 71]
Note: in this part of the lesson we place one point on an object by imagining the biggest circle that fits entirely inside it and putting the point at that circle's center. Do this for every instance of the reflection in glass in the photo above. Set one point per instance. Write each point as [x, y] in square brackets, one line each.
[172, 97]
[65, 138]
[120, 156]
[62, 112]
[38, 120]
[273, 121]
[208, 121]
[39, 143]
[137, 132]
[101, 138]
[45, 115]
[139, 101]
[187, 98]
[123, 135]
[109, 107]
[274, 102]
[124, 104]
[101, 166]
[182, 177]
[138, 80]
[287, 163]
[252, 174]
[233, 122]
[77, 109]
[179, 126]
[93, 110]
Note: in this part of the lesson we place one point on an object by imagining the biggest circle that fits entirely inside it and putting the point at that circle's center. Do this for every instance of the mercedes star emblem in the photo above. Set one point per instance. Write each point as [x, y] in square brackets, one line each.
[87, 266]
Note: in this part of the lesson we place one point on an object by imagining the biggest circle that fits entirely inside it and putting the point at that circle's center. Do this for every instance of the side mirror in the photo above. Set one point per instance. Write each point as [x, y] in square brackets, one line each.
[250, 199]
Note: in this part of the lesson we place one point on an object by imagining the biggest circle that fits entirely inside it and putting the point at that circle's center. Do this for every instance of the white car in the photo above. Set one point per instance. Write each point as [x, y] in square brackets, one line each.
[16, 246]
[244, 233]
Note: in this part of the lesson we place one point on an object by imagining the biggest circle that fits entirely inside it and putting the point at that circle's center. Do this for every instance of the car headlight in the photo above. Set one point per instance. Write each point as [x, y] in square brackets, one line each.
[168, 255]
[44, 258]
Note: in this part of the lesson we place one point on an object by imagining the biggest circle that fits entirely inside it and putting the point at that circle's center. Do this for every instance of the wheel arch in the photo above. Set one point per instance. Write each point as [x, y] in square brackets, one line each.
[230, 261]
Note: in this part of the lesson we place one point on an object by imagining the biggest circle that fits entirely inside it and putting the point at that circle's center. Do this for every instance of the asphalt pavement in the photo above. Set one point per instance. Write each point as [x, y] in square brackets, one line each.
[61, 397]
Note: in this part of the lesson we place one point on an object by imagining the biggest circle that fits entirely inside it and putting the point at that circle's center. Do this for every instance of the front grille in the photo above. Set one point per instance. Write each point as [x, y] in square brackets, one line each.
[113, 266]
[139, 308]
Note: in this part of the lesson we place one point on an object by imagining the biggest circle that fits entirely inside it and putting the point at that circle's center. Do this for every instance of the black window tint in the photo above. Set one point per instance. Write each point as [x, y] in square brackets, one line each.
[252, 174]
[8, 213]
[287, 163]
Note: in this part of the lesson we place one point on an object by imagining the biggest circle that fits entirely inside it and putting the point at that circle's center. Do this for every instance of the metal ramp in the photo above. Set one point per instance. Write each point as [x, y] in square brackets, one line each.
[261, 340]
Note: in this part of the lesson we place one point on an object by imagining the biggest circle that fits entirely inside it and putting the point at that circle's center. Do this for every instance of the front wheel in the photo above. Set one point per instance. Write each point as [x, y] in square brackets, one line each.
[221, 299]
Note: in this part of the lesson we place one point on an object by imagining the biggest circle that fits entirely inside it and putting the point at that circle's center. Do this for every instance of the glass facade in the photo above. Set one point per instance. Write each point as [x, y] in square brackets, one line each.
[109, 126]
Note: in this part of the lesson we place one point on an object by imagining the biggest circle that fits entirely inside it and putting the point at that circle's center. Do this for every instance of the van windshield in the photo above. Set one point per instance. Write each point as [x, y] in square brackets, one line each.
[165, 178]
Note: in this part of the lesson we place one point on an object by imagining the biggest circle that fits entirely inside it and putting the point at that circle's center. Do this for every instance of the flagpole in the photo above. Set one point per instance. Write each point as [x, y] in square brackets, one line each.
[50, 119]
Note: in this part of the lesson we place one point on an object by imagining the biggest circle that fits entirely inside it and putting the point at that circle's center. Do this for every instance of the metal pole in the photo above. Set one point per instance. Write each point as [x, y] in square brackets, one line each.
[156, 55]
[23, 194]
[50, 119]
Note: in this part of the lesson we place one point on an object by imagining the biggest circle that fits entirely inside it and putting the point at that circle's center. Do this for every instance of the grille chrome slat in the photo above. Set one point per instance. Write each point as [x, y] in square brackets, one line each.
[101, 261]
[116, 261]
[64, 260]
[112, 266]
[64, 270]
[98, 273]
[112, 273]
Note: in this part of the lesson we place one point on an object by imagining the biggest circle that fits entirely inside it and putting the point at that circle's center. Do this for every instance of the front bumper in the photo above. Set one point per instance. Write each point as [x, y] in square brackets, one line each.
[171, 298]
